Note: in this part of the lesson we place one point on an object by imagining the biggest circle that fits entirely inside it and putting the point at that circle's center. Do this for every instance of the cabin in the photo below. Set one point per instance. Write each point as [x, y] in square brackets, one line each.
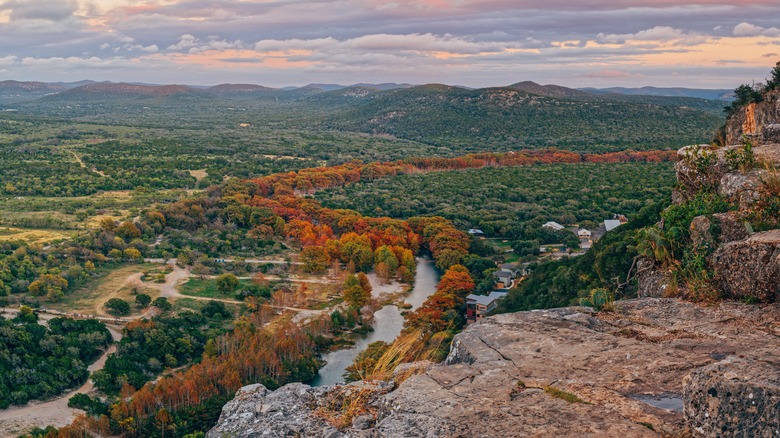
[510, 268]
[479, 306]
[582, 233]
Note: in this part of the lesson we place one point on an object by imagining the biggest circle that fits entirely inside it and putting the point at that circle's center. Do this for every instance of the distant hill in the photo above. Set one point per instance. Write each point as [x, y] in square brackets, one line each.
[15, 91]
[547, 90]
[383, 86]
[110, 91]
[230, 89]
[515, 116]
[711, 94]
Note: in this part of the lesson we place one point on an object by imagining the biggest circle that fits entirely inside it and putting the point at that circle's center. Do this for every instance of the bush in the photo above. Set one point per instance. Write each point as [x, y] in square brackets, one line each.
[117, 306]
[143, 300]
[162, 304]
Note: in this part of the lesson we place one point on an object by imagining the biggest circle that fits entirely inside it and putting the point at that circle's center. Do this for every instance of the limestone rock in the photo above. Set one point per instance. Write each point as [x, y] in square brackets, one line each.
[750, 268]
[734, 398]
[494, 379]
[756, 121]
[741, 187]
[651, 281]
[730, 227]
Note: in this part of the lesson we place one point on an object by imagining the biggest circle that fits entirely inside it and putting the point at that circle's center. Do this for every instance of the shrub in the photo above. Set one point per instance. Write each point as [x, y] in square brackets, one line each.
[117, 306]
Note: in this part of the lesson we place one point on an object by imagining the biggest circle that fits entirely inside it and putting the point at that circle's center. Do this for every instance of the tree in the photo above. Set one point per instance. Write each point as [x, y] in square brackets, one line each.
[354, 293]
[774, 78]
[128, 231]
[51, 285]
[162, 304]
[117, 306]
[227, 283]
[143, 300]
[315, 259]
[133, 254]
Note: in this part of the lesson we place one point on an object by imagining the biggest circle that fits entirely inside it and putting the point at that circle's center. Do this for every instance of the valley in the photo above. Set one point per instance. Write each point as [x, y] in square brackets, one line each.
[240, 235]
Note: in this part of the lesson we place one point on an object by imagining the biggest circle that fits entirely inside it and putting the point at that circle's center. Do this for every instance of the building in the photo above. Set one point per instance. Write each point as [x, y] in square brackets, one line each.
[553, 225]
[582, 233]
[476, 232]
[510, 268]
[478, 306]
[503, 279]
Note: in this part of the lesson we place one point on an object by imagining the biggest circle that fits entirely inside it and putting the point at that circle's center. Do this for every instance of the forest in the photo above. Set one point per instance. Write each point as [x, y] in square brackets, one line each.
[37, 361]
[510, 202]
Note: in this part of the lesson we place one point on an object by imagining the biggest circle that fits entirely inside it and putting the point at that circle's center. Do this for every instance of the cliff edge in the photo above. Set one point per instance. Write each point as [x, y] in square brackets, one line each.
[651, 367]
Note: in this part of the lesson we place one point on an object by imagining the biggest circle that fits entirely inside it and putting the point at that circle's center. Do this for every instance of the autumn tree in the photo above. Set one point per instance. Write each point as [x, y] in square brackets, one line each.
[354, 293]
[51, 285]
[315, 259]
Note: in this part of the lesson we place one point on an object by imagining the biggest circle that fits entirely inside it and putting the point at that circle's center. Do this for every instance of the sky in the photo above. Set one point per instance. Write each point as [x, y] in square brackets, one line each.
[576, 43]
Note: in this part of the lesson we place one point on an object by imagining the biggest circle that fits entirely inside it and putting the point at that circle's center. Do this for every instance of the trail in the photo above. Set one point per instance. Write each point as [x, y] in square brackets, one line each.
[16, 420]
[84, 166]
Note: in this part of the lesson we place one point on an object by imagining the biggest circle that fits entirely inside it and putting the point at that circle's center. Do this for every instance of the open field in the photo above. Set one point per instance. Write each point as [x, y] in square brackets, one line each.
[33, 236]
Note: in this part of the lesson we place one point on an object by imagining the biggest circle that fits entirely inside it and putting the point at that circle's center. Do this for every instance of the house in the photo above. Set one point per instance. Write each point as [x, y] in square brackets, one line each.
[553, 225]
[476, 232]
[478, 306]
[611, 224]
[503, 279]
[582, 233]
[510, 268]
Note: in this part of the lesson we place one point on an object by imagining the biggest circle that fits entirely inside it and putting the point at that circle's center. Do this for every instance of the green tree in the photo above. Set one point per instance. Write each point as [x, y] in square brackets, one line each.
[773, 81]
[227, 283]
[354, 293]
[51, 285]
[117, 306]
[143, 300]
[162, 303]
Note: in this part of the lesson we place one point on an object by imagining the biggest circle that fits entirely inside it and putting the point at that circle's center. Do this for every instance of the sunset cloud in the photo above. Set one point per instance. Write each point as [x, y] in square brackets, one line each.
[470, 42]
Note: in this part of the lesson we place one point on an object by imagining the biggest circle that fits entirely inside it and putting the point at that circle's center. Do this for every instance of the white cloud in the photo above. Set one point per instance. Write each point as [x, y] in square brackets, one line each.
[747, 29]
[655, 34]
[192, 44]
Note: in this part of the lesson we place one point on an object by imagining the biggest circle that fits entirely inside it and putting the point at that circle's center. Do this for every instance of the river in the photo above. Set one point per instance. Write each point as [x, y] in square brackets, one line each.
[388, 323]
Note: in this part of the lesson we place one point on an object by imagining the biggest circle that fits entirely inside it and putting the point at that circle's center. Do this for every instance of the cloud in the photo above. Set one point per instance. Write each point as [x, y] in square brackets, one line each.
[58, 10]
[660, 34]
[194, 45]
[746, 29]
[770, 55]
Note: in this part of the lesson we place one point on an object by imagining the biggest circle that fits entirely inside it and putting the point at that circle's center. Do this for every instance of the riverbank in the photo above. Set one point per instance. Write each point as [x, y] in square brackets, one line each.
[388, 321]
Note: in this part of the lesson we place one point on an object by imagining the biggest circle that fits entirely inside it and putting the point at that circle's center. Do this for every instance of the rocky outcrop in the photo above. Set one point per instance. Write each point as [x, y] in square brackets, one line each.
[757, 121]
[559, 372]
[735, 397]
[750, 268]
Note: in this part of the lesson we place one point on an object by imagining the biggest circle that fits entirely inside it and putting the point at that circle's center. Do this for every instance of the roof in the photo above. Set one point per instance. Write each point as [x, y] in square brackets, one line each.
[554, 225]
[502, 274]
[475, 231]
[486, 300]
[511, 266]
[611, 224]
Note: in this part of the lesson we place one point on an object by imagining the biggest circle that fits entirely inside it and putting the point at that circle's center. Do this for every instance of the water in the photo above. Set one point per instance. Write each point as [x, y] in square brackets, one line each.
[388, 323]
[669, 402]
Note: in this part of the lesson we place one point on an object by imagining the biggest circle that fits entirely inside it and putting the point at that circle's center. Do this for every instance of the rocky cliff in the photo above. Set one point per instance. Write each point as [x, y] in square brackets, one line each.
[652, 367]
[759, 122]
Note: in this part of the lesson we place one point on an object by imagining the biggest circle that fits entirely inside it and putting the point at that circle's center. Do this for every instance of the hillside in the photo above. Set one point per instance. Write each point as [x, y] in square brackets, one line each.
[699, 93]
[507, 117]
[15, 91]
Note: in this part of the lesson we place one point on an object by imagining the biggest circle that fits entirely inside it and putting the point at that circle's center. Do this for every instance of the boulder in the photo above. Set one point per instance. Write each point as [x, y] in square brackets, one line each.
[750, 268]
[734, 398]
[741, 187]
[730, 227]
[651, 280]
[755, 121]
[546, 373]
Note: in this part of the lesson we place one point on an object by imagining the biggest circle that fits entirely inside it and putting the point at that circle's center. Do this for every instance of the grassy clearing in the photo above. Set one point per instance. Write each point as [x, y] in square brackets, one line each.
[116, 283]
[34, 236]
[207, 288]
